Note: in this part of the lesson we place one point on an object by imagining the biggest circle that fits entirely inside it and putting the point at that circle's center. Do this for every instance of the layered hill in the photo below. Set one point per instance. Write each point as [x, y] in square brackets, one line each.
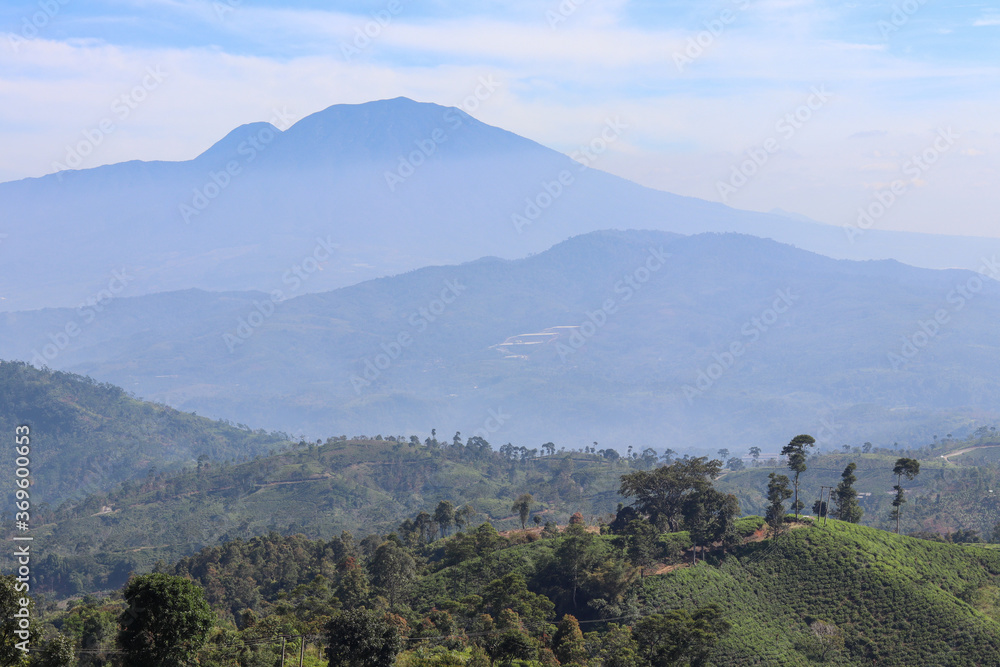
[364, 485]
[619, 337]
[88, 437]
[391, 185]
[840, 594]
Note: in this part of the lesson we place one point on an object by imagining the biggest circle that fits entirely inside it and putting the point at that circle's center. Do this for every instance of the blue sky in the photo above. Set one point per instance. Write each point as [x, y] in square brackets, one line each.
[895, 74]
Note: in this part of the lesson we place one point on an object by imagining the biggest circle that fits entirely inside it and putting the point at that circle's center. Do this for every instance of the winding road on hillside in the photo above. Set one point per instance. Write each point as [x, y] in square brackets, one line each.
[967, 449]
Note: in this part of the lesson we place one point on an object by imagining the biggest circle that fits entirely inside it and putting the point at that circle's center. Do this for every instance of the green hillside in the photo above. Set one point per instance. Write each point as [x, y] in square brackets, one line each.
[896, 600]
[960, 493]
[88, 437]
[839, 594]
[317, 490]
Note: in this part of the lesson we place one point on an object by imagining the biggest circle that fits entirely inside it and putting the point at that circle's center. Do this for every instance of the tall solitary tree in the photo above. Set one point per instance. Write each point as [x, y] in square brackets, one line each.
[777, 493]
[796, 453]
[523, 508]
[755, 453]
[444, 514]
[908, 468]
[848, 508]
[166, 622]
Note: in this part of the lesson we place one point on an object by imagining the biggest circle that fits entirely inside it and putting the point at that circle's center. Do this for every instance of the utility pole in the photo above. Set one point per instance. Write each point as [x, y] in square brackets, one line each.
[302, 649]
[282, 650]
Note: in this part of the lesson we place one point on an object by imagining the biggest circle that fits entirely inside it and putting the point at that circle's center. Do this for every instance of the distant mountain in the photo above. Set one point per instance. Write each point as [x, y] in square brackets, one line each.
[619, 337]
[351, 193]
[87, 437]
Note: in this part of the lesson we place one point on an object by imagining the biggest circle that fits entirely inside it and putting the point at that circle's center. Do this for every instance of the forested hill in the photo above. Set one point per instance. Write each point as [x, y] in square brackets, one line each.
[319, 490]
[88, 437]
[837, 594]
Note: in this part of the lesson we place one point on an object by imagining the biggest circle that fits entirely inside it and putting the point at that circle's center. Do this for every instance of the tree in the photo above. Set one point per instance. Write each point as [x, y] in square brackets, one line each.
[908, 468]
[677, 637]
[514, 643]
[574, 557]
[58, 652]
[392, 570]
[523, 508]
[710, 517]
[363, 638]
[735, 464]
[640, 538]
[619, 648]
[352, 585]
[568, 644]
[659, 494]
[511, 592]
[463, 515]
[796, 453]
[828, 636]
[444, 514]
[848, 508]
[866, 448]
[755, 453]
[166, 623]
[424, 525]
[777, 493]
[723, 453]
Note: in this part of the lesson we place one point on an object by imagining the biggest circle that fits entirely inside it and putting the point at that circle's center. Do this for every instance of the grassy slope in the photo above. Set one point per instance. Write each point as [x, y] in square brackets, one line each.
[898, 600]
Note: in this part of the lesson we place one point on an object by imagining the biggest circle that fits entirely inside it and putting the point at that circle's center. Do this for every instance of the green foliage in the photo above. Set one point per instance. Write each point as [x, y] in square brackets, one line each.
[895, 600]
[659, 494]
[777, 493]
[167, 621]
[567, 642]
[680, 638]
[523, 508]
[848, 508]
[363, 638]
[795, 450]
[58, 652]
[10, 612]
[315, 490]
[88, 437]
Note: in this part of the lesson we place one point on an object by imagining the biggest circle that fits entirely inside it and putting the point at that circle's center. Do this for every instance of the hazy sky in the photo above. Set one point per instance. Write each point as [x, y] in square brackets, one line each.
[702, 87]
